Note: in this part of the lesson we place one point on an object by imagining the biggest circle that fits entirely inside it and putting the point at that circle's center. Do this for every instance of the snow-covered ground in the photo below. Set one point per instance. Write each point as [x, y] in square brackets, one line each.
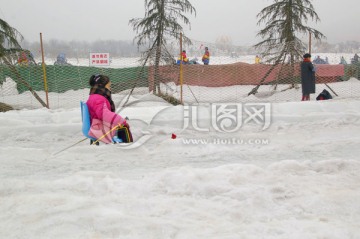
[290, 171]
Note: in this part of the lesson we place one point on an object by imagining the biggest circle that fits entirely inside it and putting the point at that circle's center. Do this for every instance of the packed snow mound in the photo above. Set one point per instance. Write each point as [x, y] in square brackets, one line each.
[8, 87]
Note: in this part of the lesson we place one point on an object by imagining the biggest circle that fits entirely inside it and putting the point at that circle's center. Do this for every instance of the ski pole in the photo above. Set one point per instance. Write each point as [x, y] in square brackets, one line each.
[96, 141]
[70, 146]
[86, 139]
[331, 89]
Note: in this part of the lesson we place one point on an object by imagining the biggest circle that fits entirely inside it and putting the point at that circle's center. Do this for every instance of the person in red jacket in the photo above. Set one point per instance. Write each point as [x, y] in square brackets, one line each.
[206, 57]
[106, 125]
[182, 58]
[23, 59]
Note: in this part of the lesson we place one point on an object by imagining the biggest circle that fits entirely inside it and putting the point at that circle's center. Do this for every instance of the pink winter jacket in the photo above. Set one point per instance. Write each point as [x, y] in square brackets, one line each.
[102, 119]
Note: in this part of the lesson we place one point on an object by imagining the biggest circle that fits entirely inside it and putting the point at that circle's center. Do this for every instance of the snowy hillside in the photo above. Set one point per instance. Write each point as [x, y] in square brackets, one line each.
[297, 178]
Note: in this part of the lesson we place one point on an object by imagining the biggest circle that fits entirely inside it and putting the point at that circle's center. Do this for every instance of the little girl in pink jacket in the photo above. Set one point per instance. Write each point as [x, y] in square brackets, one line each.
[102, 110]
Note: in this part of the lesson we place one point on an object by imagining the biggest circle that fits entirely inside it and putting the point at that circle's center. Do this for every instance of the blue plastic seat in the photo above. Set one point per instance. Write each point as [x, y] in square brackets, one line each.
[85, 118]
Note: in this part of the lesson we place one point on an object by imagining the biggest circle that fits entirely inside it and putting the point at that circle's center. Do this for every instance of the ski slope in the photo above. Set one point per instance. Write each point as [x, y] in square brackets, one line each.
[297, 178]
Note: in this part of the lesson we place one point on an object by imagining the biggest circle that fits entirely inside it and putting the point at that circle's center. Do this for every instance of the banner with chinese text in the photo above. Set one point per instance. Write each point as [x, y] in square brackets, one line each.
[99, 59]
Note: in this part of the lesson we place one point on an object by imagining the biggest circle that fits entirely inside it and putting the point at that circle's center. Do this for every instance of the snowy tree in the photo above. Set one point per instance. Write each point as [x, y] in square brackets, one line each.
[284, 23]
[9, 44]
[161, 20]
[9, 39]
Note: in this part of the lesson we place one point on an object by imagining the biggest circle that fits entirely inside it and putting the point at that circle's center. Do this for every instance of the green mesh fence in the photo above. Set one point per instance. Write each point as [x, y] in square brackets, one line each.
[230, 77]
[64, 78]
[66, 84]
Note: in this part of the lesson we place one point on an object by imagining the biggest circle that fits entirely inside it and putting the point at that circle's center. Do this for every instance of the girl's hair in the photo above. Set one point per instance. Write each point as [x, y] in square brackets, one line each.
[100, 80]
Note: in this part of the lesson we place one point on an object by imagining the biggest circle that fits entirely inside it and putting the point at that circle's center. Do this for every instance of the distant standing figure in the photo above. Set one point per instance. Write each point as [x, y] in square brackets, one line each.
[257, 59]
[355, 59]
[206, 57]
[343, 61]
[307, 77]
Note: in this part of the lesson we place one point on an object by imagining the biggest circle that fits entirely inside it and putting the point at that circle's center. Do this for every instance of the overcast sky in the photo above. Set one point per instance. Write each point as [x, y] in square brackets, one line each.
[91, 20]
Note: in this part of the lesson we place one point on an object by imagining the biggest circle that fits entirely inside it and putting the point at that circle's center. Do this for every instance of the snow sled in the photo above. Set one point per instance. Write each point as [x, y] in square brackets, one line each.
[324, 95]
[190, 62]
[123, 134]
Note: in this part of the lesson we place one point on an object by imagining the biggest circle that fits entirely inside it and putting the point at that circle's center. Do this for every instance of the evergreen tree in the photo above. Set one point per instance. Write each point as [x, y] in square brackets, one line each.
[8, 45]
[161, 20]
[9, 37]
[284, 23]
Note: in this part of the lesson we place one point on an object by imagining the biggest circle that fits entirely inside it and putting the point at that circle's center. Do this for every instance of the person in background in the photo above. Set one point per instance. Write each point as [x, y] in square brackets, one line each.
[206, 57]
[319, 60]
[23, 59]
[343, 61]
[257, 59]
[307, 77]
[355, 59]
[183, 58]
[104, 120]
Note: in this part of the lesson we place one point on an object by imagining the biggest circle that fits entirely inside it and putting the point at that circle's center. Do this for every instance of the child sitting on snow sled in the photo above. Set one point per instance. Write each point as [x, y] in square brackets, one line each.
[106, 125]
